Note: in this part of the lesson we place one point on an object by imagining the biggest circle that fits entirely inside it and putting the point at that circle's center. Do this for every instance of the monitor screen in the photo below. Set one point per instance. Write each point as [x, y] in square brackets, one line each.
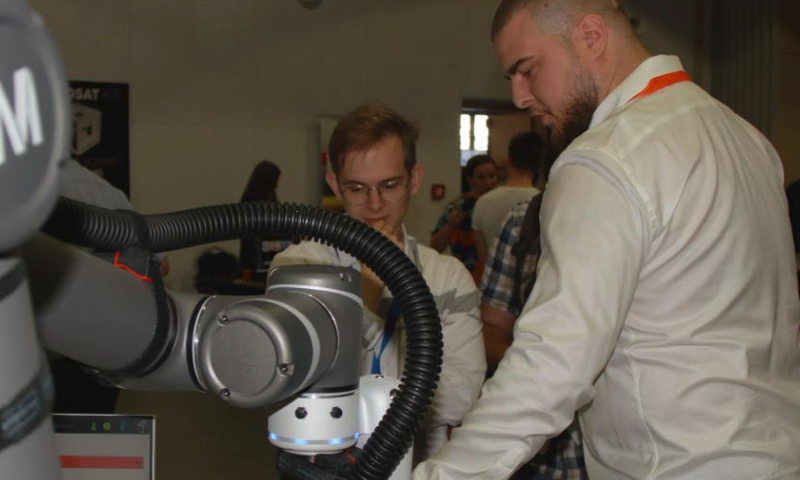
[105, 447]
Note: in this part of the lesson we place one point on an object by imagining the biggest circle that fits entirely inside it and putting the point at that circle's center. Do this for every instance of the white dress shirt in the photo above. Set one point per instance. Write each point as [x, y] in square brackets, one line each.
[666, 307]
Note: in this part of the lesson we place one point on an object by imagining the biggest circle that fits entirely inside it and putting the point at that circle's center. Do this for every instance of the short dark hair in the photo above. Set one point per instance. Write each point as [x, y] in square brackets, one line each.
[367, 125]
[556, 17]
[475, 162]
[526, 151]
[504, 12]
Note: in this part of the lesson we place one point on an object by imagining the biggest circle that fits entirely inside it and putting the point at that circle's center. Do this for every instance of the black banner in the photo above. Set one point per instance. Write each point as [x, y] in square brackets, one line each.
[100, 130]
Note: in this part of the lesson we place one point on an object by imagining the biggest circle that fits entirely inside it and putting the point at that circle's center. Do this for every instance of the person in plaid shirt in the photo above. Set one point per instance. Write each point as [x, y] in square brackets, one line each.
[562, 457]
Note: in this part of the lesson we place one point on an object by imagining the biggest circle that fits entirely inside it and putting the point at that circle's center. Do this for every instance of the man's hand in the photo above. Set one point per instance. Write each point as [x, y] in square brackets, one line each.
[441, 238]
[498, 327]
[456, 216]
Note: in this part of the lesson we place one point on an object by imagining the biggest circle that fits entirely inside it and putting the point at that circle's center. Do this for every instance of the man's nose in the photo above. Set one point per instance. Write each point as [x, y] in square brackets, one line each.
[374, 199]
[521, 93]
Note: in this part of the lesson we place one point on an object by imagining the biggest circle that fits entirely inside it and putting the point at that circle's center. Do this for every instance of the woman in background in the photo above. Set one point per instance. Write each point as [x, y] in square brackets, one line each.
[254, 258]
[454, 227]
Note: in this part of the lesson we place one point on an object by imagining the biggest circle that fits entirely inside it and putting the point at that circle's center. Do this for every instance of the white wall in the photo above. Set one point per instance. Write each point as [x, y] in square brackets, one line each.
[674, 28]
[216, 85]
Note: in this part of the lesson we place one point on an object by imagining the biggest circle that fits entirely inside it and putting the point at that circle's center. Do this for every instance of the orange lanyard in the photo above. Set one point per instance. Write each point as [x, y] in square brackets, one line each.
[662, 81]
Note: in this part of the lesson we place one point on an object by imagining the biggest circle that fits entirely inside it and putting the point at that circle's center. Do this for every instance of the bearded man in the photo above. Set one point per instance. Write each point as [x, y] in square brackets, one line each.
[665, 310]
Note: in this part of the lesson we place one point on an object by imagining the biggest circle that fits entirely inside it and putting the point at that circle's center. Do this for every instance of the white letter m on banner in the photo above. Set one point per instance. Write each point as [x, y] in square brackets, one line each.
[23, 122]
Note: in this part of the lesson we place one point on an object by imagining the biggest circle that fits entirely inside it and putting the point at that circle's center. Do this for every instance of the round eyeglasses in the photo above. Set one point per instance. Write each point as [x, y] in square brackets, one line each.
[357, 194]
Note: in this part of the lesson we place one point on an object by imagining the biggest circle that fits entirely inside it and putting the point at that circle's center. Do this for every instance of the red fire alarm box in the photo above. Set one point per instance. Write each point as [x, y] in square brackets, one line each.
[437, 191]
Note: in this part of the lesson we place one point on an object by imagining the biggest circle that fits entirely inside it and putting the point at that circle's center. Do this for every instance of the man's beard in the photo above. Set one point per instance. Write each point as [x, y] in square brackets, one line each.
[578, 114]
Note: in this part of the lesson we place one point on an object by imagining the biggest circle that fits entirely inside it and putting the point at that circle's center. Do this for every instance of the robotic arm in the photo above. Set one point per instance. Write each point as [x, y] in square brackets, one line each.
[303, 336]
[251, 351]
[302, 339]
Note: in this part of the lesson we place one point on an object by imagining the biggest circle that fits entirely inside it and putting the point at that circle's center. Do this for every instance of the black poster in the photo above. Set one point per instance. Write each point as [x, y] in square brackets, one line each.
[100, 130]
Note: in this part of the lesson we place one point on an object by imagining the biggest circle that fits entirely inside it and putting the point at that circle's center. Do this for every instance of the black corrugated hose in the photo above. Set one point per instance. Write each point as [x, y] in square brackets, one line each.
[109, 230]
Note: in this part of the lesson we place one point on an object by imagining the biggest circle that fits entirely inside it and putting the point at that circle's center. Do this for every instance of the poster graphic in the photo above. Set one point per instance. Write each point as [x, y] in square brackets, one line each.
[100, 138]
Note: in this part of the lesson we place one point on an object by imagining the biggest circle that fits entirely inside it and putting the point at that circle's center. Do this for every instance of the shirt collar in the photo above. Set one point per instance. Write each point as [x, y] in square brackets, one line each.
[633, 84]
[409, 248]
[406, 237]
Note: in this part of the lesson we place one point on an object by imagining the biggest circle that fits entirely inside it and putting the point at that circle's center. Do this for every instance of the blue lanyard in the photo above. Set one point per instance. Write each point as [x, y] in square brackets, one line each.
[388, 332]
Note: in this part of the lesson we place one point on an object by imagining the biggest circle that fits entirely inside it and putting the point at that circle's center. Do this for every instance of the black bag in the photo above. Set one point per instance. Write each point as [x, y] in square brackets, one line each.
[215, 267]
[528, 244]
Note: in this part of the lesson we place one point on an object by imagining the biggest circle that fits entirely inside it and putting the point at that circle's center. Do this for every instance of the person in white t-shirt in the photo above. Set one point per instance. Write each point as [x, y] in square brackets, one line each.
[525, 159]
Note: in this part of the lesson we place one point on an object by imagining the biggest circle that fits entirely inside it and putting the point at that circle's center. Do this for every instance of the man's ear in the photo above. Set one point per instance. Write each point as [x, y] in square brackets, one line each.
[415, 179]
[333, 182]
[590, 36]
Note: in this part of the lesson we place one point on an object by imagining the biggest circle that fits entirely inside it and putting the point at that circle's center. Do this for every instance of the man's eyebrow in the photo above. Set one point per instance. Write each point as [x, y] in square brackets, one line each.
[356, 182]
[351, 182]
[393, 179]
[515, 66]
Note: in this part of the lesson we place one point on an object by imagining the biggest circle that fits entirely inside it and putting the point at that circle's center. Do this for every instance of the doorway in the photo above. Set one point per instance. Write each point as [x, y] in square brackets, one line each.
[487, 127]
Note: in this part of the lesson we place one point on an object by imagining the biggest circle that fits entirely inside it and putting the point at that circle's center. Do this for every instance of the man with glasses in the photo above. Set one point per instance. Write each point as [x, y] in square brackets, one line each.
[375, 173]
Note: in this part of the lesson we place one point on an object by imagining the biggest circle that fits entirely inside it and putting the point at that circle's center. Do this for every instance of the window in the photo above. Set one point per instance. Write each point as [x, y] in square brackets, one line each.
[474, 133]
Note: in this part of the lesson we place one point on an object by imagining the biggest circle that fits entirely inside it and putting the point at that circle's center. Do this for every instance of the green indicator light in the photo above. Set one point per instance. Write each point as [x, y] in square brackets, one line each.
[106, 426]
